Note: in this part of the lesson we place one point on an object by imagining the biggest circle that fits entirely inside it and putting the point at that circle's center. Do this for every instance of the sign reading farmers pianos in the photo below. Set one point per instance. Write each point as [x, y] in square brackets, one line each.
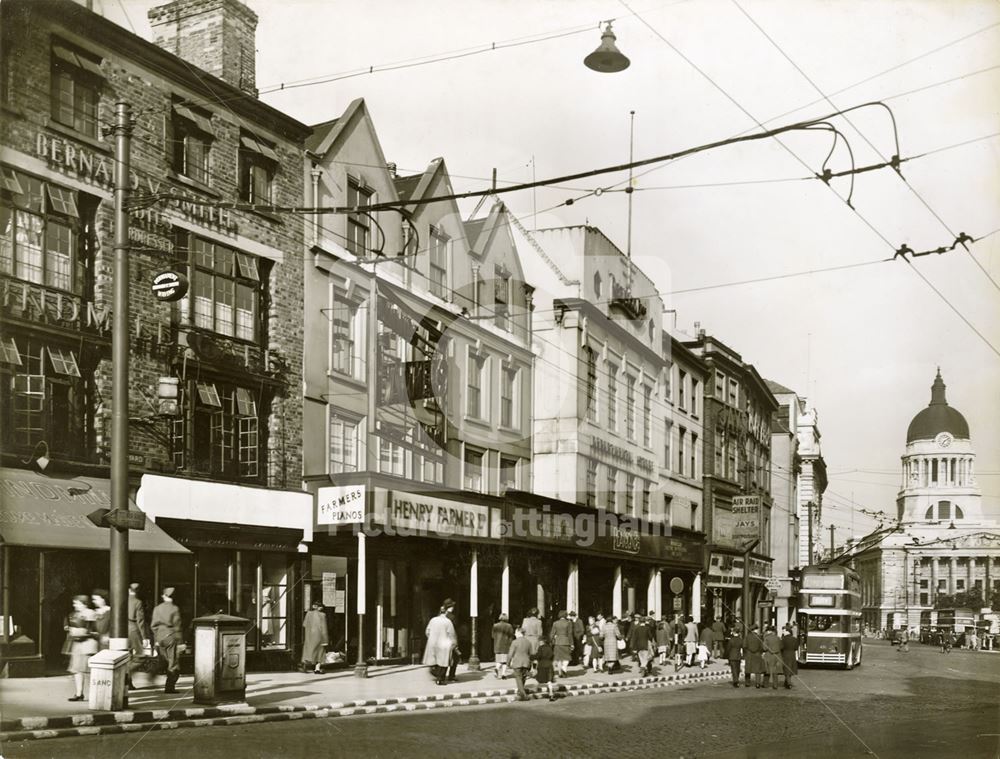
[343, 504]
[417, 514]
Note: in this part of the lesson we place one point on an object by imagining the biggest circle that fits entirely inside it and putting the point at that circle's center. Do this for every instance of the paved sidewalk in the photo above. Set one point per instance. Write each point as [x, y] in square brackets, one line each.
[40, 703]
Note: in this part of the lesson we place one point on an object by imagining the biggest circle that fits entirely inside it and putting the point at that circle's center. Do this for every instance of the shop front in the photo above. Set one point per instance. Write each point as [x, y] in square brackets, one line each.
[245, 552]
[725, 586]
[52, 552]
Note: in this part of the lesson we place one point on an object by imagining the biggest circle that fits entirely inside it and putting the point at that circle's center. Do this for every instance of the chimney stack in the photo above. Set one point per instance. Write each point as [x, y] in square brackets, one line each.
[216, 36]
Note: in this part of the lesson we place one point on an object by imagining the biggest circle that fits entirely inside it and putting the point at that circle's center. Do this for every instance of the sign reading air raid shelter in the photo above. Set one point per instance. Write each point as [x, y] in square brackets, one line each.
[746, 518]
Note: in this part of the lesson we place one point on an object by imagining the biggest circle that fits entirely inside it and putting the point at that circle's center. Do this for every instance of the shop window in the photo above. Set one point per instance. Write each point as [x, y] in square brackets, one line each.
[358, 224]
[75, 89]
[510, 412]
[42, 397]
[39, 232]
[176, 571]
[258, 166]
[217, 431]
[591, 356]
[213, 581]
[344, 436]
[472, 474]
[508, 474]
[590, 487]
[440, 249]
[274, 601]
[192, 143]
[226, 290]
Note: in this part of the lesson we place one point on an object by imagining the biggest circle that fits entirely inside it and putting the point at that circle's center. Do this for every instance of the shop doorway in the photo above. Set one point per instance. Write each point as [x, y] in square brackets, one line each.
[67, 574]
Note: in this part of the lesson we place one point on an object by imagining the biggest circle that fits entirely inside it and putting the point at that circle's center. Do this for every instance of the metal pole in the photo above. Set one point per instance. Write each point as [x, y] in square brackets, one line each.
[745, 600]
[832, 552]
[119, 376]
[628, 194]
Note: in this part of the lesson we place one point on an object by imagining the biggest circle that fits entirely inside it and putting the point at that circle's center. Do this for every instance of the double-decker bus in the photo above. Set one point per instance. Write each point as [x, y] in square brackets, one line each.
[830, 616]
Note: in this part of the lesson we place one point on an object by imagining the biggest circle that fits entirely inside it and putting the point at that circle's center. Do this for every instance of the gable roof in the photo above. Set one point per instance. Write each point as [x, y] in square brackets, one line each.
[777, 387]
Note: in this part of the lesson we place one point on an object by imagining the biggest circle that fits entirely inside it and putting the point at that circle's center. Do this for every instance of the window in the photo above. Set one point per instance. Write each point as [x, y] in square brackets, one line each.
[944, 509]
[274, 600]
[611, 479]
[192, 143]
[42, 397]
[472, 475]
[598, 291]
[612, 396]
[258, 164]
[682, 389]
[591, 356]
[348, 335]
[438, 272]
[429, 468]
[508, 474]
[959, 584]
[358, 224]
[646, 485]
[630, 494]
[510, 415]
[218, 431]
[694, 517]
[720, 386]
[392, 457]
[718, 454]
[475, 385]
[668, 433]
[226, 290]
[694, 455]
[590, 488]
[923, 600]
[734, 392]
[75, 89]
[681, 435]
[647, 416]
[668, 517]
[501, 298]
[343, 445]
[630, 407]
[39, 232]
[695, 392]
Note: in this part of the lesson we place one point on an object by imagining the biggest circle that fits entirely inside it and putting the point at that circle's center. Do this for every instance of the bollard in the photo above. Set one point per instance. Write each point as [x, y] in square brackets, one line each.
[107, 680]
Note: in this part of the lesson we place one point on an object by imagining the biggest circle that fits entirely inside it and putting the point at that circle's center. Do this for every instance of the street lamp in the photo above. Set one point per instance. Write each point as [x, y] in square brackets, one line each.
[607, 58]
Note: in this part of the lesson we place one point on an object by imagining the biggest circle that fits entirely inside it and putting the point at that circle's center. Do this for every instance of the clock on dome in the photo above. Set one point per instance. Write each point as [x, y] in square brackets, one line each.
[944, 439]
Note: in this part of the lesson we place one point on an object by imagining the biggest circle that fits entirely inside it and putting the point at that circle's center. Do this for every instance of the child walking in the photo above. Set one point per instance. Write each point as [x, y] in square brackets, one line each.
[545, 675]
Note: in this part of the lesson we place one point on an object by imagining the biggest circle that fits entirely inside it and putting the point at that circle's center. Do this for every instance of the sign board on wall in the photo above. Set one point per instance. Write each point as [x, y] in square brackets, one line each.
[337, 505]
[746, 518]
[417, 514]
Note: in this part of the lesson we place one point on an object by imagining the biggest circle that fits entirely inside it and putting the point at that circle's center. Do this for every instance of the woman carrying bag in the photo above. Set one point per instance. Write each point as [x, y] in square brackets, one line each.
[81, 643]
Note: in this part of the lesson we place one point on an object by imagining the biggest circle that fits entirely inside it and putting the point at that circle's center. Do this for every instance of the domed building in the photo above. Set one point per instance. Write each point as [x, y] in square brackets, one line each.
[944, 549]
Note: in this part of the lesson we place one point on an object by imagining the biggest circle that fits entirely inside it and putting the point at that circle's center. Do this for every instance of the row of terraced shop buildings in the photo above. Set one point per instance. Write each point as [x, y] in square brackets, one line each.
[541, 434]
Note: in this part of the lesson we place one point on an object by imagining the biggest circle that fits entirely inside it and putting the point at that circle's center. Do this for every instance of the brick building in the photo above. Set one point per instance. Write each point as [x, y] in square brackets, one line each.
[215, 466]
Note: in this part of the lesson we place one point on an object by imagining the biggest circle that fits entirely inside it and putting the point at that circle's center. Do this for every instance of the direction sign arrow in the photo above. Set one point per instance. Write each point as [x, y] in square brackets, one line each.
[127, 519]
[99, 517]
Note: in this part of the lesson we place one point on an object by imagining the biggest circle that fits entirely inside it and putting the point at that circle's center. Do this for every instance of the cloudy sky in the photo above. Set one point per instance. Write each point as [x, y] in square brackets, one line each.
[863, 342]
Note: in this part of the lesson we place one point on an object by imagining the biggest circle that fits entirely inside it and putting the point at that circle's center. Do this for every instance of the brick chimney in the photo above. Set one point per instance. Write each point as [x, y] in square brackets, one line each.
[216, 36]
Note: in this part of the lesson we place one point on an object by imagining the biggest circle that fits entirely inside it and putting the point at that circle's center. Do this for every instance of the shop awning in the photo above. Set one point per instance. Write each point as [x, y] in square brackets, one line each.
[51, 512]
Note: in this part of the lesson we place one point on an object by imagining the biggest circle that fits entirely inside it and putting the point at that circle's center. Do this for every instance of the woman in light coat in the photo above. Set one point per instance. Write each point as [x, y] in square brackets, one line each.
[441, 640]
[315, 639]
[611, 635]
[81, 643]
[532, 627]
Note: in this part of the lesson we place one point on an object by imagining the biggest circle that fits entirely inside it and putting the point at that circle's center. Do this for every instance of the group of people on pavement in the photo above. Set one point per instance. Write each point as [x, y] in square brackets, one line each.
[88, 630]
[762, 658]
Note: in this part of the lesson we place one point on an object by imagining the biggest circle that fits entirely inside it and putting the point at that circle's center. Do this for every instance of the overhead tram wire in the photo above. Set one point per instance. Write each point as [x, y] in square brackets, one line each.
[864, 137]
[857, 213]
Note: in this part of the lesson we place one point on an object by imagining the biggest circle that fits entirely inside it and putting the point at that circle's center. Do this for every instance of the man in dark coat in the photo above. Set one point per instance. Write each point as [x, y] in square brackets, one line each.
[169, 637]
[503, 635]
[789, 655]
[734, 654]
[449, 609]
[638, 643]
[519, 658]
[718, 638]
[707, 639]
[772, 656]
[136, 620]
[753, 649]
[579, 631]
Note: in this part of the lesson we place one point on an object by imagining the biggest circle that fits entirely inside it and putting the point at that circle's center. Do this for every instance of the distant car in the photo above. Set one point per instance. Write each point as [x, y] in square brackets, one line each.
[894, 636]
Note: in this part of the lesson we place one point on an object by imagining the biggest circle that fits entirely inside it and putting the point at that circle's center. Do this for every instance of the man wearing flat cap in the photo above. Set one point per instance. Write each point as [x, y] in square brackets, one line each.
[169, 637]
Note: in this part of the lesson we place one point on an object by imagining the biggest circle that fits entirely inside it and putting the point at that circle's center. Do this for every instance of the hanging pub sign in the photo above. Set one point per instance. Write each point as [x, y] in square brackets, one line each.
[169, 286]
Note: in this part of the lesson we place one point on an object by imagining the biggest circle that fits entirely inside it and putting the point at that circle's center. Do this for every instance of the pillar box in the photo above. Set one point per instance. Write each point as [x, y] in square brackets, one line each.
[107, 680]
[220, 656]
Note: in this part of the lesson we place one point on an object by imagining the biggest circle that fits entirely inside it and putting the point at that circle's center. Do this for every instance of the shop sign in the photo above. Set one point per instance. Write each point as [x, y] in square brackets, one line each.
[746, 518]
[678, 550]
[610, 451]
[337, 505]
[424, 515]
[625, 540]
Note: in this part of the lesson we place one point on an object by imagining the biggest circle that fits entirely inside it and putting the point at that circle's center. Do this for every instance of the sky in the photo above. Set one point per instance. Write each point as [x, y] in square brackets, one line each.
[862, 343]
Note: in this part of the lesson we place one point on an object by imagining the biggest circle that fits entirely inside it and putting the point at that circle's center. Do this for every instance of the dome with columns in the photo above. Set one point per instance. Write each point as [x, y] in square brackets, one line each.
[938, 417]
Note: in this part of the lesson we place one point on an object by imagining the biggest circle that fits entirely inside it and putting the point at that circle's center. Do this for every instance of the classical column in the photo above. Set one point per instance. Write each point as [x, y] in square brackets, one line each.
[573, 587]
[696, 597]
[505, 586]
[971, 567]
[361, 667]
[952, 574]
[379, 608]
[616, 593]
[473, 663]
[651, 592]
[914, 567]
[934, 581]
[987, 585]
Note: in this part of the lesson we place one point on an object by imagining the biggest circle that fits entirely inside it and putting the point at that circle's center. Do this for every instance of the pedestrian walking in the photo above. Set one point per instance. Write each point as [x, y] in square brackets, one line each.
[753, 649]
[562, 642]
[315, 638]
[441, 642]
[169, 637]
[102, 618]
[706, 638]
[639, 642]
[904, 641]
[718, 638]
[579, 633]
[456, 654]
[612, 637]
[663, 636]
[519, 658]
[734, 654]
[503, 636]
[690, 641]
[773, 663]
[789, 654]
[81, 643]
[544, 673]
[532, 627]
[137, 636]
[593, 650]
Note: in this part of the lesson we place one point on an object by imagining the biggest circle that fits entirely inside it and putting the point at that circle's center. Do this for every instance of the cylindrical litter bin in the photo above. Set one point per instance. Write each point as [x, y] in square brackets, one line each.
[220, 656]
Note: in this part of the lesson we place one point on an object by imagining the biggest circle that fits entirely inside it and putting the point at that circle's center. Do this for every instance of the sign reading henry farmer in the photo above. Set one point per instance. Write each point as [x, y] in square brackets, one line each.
[412, 514]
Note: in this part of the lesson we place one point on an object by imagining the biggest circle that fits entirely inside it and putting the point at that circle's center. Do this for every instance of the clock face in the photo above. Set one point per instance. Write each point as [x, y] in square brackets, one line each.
[944, 439]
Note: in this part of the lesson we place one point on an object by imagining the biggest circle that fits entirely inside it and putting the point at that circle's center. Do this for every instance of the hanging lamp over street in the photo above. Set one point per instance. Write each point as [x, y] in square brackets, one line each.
[607, 58]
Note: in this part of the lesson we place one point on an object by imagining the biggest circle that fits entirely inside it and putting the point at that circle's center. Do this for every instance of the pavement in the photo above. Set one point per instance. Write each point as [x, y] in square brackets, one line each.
[35, 708]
